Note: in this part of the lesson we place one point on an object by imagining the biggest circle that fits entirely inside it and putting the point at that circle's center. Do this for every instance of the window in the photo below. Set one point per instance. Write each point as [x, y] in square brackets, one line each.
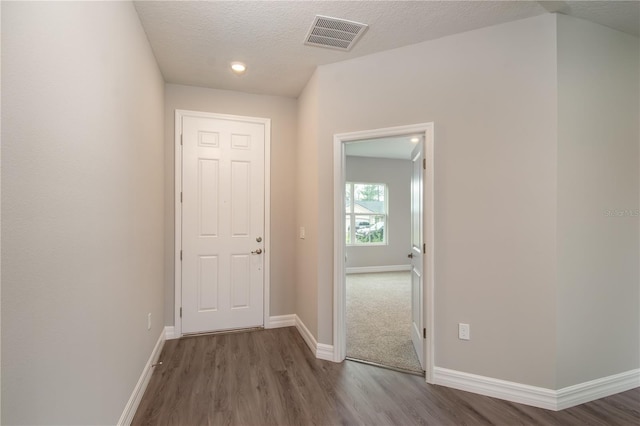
[366, 213]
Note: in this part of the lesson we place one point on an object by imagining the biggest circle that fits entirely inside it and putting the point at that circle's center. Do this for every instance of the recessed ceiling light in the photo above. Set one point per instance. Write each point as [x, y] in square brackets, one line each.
[238, 67]
[415, 140]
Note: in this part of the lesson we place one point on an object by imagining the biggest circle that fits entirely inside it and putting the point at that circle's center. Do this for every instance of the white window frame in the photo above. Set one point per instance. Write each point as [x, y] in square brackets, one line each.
[352, 216]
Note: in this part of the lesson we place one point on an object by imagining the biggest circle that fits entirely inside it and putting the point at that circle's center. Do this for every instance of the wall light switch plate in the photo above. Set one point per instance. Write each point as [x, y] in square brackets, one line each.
[302, 233]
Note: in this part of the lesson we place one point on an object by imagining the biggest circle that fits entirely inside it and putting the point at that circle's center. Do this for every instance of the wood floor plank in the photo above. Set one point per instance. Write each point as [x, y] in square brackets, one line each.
[270, 377]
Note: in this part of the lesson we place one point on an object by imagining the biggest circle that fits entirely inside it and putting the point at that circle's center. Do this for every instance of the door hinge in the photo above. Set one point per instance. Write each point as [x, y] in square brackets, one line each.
[424, 163]
[180, 254]
[424, 330]
[180, 311]
[180, 138]
[181, 197]
[424, 248]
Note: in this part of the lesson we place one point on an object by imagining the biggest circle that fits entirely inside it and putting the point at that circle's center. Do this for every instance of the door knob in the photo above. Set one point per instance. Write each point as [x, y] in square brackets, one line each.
[259, 251]
[410, 256]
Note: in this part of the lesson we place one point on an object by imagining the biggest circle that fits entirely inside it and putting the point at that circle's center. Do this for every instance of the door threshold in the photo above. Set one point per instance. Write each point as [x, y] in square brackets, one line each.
[220, 332]
[388, 367]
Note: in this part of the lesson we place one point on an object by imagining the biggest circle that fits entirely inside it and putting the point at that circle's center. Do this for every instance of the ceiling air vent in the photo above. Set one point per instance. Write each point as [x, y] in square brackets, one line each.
[334, 33]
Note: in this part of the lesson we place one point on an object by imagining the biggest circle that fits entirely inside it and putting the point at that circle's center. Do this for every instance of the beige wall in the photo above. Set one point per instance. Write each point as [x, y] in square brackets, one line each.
[306, 202]
[396, 174]
[82, 222]
[492, 96]
[536, 139]
[598, 304]
[282, 112]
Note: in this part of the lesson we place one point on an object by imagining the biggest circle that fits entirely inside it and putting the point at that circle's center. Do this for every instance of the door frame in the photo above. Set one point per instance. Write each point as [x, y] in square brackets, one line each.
[339, 246]
[179, 114]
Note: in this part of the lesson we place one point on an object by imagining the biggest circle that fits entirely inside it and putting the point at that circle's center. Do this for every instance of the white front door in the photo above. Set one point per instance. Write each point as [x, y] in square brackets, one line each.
[223, 211]
[417, 252]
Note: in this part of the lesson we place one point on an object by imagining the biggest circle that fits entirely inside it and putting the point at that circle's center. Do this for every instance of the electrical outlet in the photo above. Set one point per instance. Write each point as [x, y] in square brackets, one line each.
[464, 331]
[149, 321]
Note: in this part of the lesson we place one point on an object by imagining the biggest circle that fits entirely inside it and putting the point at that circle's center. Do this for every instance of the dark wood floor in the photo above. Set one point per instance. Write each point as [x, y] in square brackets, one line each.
[271, 378]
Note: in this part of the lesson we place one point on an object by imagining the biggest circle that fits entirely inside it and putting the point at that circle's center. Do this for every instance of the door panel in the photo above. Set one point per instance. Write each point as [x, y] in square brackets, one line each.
[208, 176]
[241, 279]
[240, 202]
[417, 315]
[208, 283]
[222, 219]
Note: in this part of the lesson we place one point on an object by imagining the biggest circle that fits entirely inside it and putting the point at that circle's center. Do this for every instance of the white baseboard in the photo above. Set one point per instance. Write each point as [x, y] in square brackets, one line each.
[319, 350]
[536, 396]
[281, 321]
[306, 335]
[496, 388]
[169, 333]
[596, 389]
[132, 405]
[325, 352]
[375, 269]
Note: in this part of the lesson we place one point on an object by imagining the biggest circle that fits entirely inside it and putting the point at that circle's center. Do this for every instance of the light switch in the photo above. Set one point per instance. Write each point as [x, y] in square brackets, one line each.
[302, 234]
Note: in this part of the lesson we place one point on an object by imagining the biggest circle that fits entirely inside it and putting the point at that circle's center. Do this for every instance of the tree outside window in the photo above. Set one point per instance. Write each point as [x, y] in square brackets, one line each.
[366, 213]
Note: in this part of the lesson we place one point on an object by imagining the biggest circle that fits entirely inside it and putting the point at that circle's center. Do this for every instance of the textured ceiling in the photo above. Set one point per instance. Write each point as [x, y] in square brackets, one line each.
[195, 41]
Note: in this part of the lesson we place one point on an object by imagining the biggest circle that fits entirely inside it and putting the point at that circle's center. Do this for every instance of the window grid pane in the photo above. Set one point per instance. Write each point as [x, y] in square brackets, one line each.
[366, 218]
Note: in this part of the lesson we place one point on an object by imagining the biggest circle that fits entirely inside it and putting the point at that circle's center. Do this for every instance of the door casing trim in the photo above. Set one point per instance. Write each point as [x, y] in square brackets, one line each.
[179, 114]
[339, 249]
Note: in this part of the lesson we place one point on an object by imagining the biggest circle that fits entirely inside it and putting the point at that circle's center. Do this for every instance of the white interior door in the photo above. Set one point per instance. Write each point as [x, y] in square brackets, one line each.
[222, 224]
[417, 252]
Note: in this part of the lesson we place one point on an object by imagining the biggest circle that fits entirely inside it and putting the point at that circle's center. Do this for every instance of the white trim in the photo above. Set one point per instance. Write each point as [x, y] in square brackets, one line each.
[596, 389]
[319, 350]
[429, 239]
[376, 269]
[279, 321]
[170, 333]
[266, 281]
[537, 396]
[177, 243]
[179, 114]
[306, 335]
[324, 352]
[339, 250]
[134, 400]
[496, 388]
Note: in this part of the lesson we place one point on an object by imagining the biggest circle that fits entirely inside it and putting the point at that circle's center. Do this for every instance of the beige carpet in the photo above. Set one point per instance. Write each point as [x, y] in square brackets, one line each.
[379, 319]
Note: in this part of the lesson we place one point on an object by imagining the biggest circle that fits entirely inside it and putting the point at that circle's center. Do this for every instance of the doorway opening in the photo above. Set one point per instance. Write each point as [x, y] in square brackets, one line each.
[383, 247]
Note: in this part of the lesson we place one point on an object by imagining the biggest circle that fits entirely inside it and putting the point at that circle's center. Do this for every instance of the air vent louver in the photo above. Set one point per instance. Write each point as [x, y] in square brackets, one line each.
[334, 33]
